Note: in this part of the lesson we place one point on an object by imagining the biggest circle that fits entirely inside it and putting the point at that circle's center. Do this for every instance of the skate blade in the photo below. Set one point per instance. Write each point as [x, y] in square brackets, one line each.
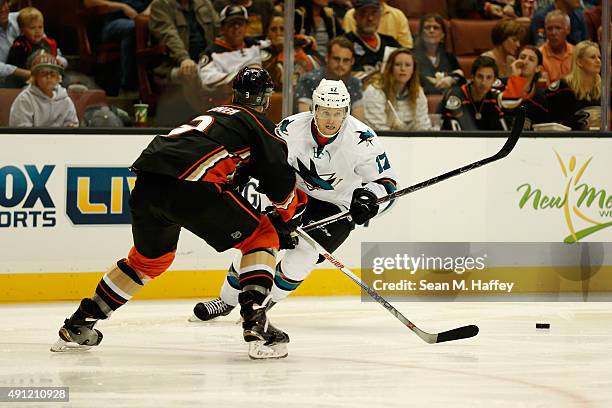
[259, 351]
[195, 319]
[62, 346]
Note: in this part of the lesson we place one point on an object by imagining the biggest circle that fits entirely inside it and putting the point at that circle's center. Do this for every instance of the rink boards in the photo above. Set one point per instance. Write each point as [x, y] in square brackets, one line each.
[64, 217]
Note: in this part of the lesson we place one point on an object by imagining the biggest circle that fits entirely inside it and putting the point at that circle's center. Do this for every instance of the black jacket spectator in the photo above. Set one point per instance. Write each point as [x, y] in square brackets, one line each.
[367, 57]
[460, 112]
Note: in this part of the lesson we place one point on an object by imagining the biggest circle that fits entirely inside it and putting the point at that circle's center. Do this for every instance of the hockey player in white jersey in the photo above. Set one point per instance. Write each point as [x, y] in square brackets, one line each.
[341, 165]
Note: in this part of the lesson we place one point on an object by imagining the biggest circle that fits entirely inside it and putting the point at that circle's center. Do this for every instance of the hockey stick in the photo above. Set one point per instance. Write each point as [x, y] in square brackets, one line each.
[515, 133]
[450, 335]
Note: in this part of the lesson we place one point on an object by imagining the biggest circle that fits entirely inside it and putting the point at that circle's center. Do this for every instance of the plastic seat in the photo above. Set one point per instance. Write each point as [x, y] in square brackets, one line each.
[416, 8]
[471, 37]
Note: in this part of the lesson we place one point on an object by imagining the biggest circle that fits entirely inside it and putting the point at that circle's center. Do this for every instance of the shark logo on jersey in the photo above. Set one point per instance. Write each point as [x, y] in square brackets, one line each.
[366, 136]
[313, 179]
[281, 130]
[318, 153]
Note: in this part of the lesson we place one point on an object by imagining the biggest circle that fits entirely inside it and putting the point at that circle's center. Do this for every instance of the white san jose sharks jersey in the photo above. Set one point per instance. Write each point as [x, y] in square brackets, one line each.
[354, 158]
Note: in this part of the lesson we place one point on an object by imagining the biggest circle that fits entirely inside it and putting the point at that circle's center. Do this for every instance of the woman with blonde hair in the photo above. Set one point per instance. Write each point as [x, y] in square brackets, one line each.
[395, 98]
[574, 100]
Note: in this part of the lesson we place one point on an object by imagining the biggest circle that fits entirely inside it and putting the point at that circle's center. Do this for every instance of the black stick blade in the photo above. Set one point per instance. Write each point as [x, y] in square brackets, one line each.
[459, 333]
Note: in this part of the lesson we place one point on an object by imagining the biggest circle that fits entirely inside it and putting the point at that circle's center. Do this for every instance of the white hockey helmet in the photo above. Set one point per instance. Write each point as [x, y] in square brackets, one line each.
[331, 94]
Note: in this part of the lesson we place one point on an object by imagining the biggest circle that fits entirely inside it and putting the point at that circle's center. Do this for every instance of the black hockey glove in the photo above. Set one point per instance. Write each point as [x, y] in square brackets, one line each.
[363, 205]
[287, 237]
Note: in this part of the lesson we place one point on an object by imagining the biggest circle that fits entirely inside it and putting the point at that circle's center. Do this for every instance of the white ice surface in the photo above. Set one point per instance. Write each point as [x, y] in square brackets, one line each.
[343, 353]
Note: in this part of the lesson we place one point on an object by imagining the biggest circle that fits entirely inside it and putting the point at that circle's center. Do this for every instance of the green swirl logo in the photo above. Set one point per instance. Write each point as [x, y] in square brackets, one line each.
[577, 198]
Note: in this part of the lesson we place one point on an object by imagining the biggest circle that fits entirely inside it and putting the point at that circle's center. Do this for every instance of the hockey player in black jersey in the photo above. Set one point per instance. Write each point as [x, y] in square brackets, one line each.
[187, 179]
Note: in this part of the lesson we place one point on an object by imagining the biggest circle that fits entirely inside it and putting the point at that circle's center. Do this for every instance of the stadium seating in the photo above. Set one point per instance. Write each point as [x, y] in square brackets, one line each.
[81, 101]
[416, 8]
[471, 37]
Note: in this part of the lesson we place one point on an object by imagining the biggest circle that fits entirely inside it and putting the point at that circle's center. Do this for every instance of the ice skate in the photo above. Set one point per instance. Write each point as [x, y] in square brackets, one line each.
[210, 310]
[77, 333]
[265, 341]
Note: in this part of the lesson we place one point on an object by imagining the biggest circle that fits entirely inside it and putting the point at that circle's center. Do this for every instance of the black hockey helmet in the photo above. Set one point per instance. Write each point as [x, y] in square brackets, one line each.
[253, 86]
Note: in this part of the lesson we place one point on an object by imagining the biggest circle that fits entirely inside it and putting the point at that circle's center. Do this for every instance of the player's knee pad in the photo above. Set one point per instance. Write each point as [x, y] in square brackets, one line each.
[299, 262]
[150, 267]
[264, 236]
[116, 287]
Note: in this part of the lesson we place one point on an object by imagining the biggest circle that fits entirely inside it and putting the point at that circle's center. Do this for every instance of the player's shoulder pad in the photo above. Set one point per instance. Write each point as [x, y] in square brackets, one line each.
[355, 127]
[286, 125]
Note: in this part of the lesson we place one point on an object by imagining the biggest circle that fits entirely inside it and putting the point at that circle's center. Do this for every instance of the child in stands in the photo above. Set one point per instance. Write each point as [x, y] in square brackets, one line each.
[44, 102]
[31, 40]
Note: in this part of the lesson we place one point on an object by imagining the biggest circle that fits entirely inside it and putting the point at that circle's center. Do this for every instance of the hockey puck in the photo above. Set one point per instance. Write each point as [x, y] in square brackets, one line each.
[542, 325]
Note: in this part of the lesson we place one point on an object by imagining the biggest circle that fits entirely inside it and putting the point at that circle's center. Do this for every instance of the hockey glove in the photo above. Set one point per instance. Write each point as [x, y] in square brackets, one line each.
[287, 237]
[363, 205]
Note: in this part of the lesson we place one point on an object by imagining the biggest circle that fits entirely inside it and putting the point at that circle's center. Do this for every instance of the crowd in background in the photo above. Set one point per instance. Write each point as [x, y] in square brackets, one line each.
[546, 57]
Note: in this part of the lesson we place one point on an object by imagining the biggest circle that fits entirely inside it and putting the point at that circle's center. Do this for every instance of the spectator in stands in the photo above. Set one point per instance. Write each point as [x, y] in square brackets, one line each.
[393, 22]
[464, 9]
[557, 51]
[369, 44]
[305, 57]
[230, 52]
[227, 54]
[9, 30]
[506, 37]
[31, 40]
[524, 10]
[234, 21]
[438, 68]
[578, 30]
[340, 59]
[474, 106]
[259, 11]
[592, 18]
[317, 20]
[520, 10]
[186, 27]
[497, 8]
[119, 26]
[44, 102]
[574, 100]
[395, 98]
[522, 87]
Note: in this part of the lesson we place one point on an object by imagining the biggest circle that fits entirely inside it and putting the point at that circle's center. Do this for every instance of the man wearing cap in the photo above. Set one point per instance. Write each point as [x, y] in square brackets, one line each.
[369, 44]
[44, 102]
[9, 30]
[234, 20]
[228, 53]
[186, 27]
[393, 22]
[259, 11]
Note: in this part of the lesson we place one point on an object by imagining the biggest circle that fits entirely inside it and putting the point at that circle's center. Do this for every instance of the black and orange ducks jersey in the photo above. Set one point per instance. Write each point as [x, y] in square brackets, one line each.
[227, 144]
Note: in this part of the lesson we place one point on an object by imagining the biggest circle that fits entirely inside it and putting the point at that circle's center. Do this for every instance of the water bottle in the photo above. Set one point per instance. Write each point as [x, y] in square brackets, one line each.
[540, 38]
